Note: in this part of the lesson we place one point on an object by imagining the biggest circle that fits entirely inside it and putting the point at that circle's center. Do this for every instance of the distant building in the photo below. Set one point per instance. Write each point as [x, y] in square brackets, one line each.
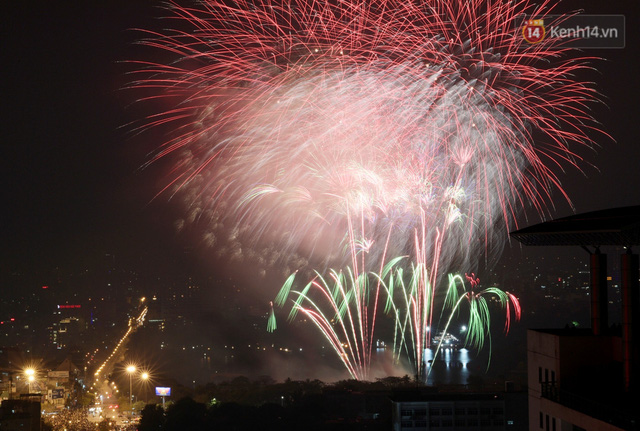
[11, 361]
[461, 411]
[67, 332]
[60, 382]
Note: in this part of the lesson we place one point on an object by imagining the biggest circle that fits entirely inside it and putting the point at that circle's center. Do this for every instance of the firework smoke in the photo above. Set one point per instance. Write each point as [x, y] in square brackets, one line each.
[350, 131]
[291, 117]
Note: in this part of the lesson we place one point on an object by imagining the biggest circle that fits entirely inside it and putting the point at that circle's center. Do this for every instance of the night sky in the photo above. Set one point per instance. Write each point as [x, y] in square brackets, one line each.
[69, 165]
[72, 183]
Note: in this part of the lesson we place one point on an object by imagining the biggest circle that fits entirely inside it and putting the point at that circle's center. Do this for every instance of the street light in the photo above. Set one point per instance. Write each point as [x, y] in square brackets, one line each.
[145, 377]
[131, 369]
[30, 373]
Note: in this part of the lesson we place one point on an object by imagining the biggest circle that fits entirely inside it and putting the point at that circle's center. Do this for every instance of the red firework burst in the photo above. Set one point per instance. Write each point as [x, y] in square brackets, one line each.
[442, 93]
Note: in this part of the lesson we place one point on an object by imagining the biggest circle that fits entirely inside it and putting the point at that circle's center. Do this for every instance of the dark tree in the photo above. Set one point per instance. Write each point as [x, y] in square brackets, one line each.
[186, 414]
[152, 418]
[233, 417]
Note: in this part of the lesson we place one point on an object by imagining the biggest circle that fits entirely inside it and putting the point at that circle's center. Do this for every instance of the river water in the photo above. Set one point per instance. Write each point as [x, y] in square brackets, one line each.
[451, 367]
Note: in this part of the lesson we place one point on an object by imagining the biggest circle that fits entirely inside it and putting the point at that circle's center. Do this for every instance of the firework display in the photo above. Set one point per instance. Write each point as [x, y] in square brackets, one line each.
[353, 132]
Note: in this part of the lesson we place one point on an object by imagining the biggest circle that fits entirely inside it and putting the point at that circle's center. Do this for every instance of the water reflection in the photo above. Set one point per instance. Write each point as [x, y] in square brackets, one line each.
[450, 367]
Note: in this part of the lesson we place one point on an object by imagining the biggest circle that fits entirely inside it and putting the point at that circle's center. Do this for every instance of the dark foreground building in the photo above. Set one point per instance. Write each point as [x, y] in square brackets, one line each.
[20, 414]
[589, 379]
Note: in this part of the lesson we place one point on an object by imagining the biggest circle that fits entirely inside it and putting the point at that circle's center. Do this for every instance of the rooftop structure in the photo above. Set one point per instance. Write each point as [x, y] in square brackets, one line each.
[619, 226]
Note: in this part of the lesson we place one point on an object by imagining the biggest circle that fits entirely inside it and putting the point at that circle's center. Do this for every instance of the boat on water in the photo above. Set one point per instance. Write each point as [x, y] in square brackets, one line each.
[446, 340]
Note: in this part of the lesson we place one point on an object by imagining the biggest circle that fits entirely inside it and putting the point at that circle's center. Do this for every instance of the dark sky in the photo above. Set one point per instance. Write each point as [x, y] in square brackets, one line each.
[69, 167]
[71, 181]
[614, 180]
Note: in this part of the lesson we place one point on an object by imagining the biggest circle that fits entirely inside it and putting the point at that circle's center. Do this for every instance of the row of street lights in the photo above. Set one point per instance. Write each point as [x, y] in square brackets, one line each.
[131, 369]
